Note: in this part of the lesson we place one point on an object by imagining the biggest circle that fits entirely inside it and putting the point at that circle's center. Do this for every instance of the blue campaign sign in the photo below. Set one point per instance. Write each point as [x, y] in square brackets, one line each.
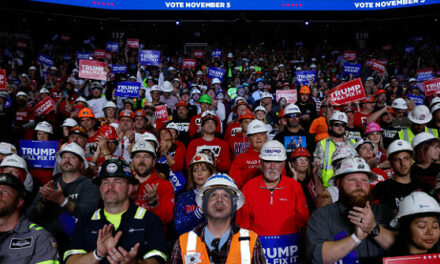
[214, 72]
[352, 68]
[149, 57]
[352, 257]
[305, 76]
[282, 248]
[299, 6]
[67, 57]
[217, 53]
[419, 100]
[119, 68]
[112, 46]
[83, 55]
[45, 60]
[39, 153]
[424, 75]
[128, 89]
[177, 180]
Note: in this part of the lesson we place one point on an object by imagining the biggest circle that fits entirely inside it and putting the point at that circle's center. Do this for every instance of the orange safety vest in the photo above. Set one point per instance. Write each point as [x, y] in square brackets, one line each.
[241, 251]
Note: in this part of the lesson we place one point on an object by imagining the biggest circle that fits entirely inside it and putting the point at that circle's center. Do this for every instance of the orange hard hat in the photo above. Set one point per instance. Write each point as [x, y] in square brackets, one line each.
[140, 112]
[304, 90]
[181, 103]
[300, 152]
[108, 131]
[246, 114]
[86, 112]
[126, 113]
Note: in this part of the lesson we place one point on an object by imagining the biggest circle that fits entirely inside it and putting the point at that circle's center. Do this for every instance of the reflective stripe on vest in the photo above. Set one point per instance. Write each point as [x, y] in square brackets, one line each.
[407, 134]
[432, 131]
[329, 147]
[193, 249]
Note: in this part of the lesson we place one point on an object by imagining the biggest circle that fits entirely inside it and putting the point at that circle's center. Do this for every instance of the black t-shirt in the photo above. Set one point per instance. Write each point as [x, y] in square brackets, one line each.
[354, 133]
[291, 141]
[391, 192]
[427, 175]
[308, 108]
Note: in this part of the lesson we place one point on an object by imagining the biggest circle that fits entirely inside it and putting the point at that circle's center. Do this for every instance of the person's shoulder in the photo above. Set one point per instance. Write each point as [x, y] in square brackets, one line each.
[323, 212]
[253, 183]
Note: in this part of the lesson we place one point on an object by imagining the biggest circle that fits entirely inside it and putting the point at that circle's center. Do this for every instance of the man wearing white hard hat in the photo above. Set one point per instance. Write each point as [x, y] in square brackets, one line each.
[275, 204]
[356, 231]
[61, 202]
[419, 118]
[6, 149]
[24, 117]
[400, 109]
[391, 192]
[16, 165]
[167, 94]
[435, 122]
[219, 240]
[247, 165]
[326, 147]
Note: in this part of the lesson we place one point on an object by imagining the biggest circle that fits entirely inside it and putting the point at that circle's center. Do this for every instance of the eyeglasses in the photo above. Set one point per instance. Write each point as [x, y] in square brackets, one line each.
[293, 115]
[338, 125]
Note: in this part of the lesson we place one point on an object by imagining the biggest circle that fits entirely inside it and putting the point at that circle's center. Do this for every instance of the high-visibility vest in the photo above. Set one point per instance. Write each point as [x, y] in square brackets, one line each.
[407, 134]
[329, 147]
[193, 249]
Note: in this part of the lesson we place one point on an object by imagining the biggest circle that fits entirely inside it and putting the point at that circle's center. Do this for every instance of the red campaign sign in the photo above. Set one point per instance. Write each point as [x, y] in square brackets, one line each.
[21, 44]
[414, 259]
[377, 66]
[347, 93]
[44, 107]
[92, 69]
[108, 55]
[65, 38]
[161, 113]
[349, 55]
[3, 79]
[133, 43]
[432, 86]
[99, 54]
[188, 64]
[290, 95]
[384, 62]
[198, 54]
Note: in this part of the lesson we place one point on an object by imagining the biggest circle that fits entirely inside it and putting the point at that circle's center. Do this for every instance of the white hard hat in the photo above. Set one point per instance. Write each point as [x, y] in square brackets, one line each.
[216, 81]
[147, 136]
[313, 66]
[44, 90]
[14, 161]
[230, 55]
[435, 108]
[69, 122]
[399, 145]
[75, 149]
[399, 103]
[173, 125]
[265, 95]
[342, 152]
[256, 126]
[199, 72]
[415, 203]
[154, 88]
[273, 150]
[298, 69]
[434, 101]
[109, 104]
[420, 115]
[363, 141]
[7, 148]
[22, 94]
[143, 146]
[81, 99]
[171, 68]
[412, 80]
[44, 126]
[220, 180]
[339, 116]
[370, 78]
[32, 68]
[167, 87]
[260, 108]
[201, 158]
[352, 165]
[422, 137]
[195, 91]
[292, 109]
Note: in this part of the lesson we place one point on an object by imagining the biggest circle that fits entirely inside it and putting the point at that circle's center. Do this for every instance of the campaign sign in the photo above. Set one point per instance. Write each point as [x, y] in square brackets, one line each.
[44, 107]
[198, 54]
[384, 62]
[352, 68]
[177, 180]
[112, 46]
[83, 55]
[432, 86]
[3, 79]
[303, 77]
[99, 54]
[419, 100]
[290, 95]
[119, 68]
[348, 92]
[349, 55]
[39, 153]
[281, 249]
[377, 66]
[149, 57]
[133, 43]
[214, 72]
[217, 53]
[45, 60]
[424, 75]
[91, 69]
[188, 64]
[413, 259]
[128, 89]
[108, 55]
[161, 113]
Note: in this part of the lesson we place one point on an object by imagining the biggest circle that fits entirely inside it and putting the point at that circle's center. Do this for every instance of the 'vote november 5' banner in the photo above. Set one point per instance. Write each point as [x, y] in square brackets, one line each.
[39, 153]
[281, 249]
[346, 93]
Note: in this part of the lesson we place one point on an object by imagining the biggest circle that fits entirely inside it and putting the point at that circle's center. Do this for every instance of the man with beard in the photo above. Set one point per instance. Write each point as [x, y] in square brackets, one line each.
[21, 241]
[324, 150]
[154, 193]
[330, 241]
[120, 231]
[62, 201]
[392, 191]
[219, 240]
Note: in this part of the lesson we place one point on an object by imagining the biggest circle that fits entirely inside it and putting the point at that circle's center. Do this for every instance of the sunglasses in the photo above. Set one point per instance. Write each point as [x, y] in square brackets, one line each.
[339, 125]
[293, 115]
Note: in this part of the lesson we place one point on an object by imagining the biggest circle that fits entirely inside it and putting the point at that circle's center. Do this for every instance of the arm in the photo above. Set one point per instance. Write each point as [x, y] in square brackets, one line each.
[184, 221]
[179, 159]
[165, 203]
[155, 241]
[333, 251]
[236, 171]
[176, 256]
[224, 159]
[45, 248]
[376, 115]
[258, 255]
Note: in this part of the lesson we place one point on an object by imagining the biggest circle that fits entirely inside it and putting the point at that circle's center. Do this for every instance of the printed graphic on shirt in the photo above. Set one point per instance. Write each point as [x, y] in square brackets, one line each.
[214, 149]
[293, 142]
[236, 130]
[182, 127]
[240, 147]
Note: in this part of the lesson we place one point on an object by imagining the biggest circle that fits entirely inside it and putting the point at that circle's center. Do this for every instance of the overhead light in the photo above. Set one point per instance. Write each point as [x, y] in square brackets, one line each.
[177, 22]
[306, 22]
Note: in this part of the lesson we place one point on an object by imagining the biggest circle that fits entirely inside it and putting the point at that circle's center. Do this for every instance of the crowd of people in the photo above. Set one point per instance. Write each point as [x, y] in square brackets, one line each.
[231, 165]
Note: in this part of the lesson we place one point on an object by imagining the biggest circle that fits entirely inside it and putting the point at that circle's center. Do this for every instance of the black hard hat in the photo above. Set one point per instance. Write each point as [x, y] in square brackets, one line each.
[13, 182]
[115, 167]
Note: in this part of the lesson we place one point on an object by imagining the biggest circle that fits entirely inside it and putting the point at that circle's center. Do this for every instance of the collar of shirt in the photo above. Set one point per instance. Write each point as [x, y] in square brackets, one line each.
[209, 237]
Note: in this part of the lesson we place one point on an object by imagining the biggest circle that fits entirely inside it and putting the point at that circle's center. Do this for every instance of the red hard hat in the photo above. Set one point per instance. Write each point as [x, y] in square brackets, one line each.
[108, 131]
[246, 114]
[140, 112]
[300, 152]
[126, 113]
[181, 103]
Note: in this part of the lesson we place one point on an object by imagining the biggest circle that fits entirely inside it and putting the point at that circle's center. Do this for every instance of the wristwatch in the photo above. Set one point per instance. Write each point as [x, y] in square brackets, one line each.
[375, 231]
